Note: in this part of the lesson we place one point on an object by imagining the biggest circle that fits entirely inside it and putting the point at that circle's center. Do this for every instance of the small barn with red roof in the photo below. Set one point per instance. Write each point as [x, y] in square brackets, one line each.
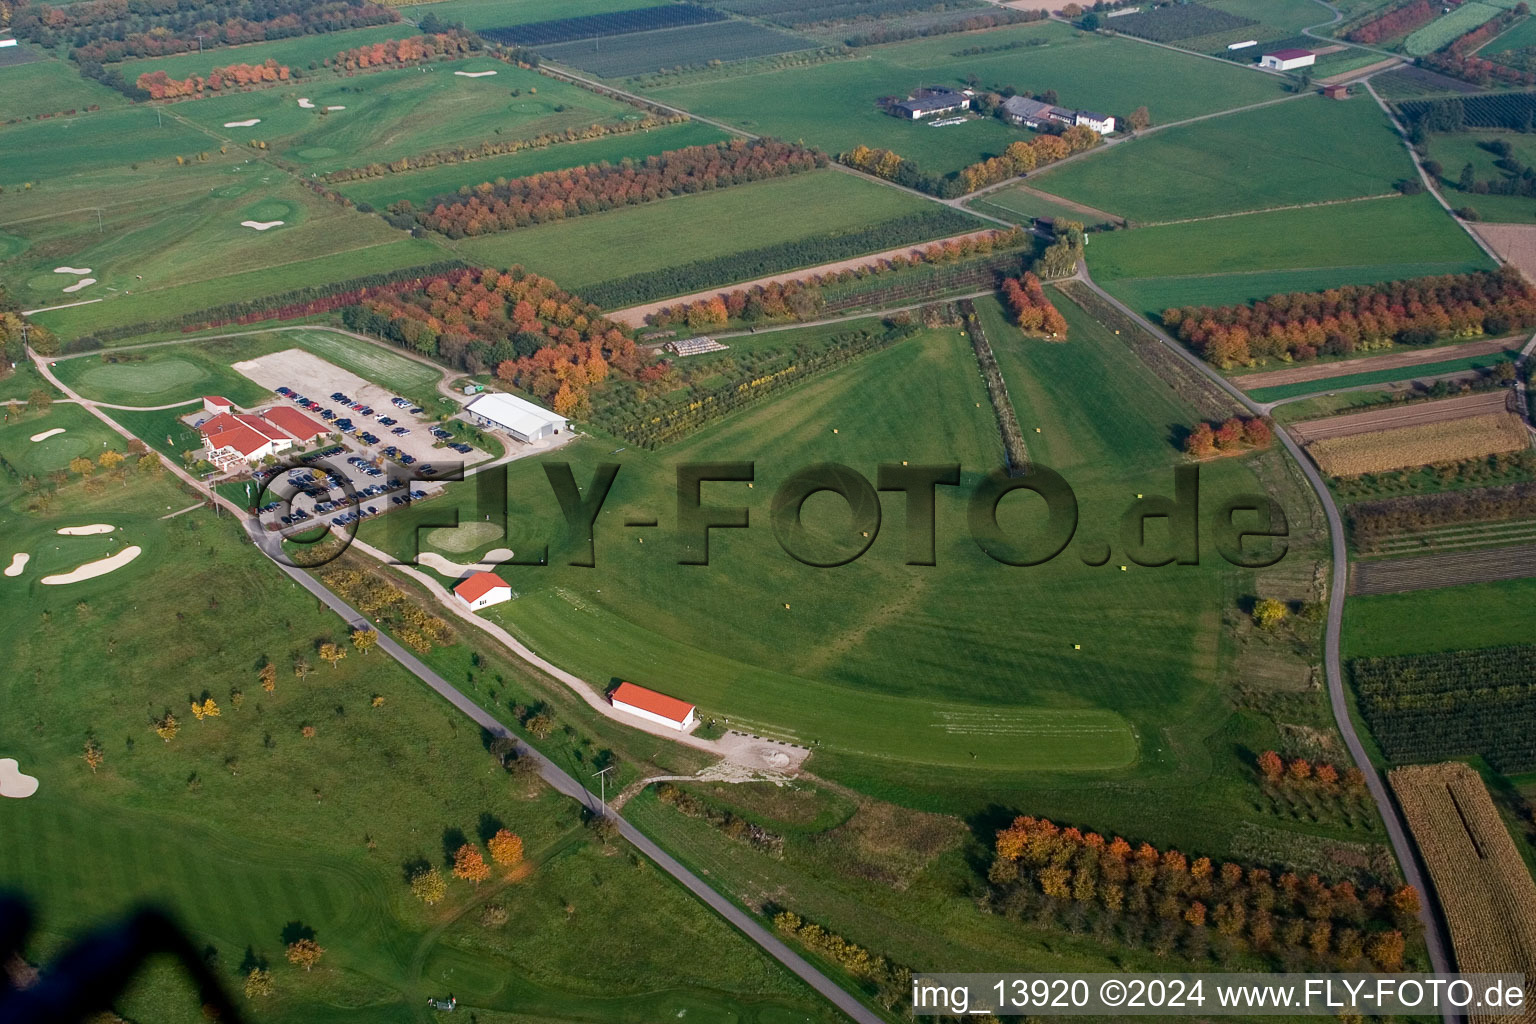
[214, 404]
[654, 707]
[482, 589]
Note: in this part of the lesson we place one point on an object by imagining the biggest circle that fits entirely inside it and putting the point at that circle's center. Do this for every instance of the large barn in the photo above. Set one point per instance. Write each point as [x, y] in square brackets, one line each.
[522, 419]
[654, 707]
[1285, 60]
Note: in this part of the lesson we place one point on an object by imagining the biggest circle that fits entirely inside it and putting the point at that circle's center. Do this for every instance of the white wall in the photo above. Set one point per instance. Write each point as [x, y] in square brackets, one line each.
[652, 717]
[496, 596]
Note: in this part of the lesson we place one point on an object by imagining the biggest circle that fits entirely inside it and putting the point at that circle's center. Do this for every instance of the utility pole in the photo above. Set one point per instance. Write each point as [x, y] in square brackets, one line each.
[602, 778]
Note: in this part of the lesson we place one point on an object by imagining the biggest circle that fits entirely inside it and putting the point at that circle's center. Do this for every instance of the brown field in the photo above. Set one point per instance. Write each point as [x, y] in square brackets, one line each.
[1515, 243]
[1485, 890]
[1468, 437]
[1484, 403]
[1371, 364]
[1426, 572]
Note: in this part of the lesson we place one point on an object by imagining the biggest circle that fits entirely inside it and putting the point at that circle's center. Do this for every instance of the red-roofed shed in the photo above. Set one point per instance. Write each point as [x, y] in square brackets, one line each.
[654, 707]
[483, 589]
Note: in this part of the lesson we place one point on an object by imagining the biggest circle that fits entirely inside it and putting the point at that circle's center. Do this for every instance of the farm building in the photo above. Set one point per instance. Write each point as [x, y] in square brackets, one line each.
[1104, 124]
[290, 421]
[1025, 111]
[213, 405]
[1336, 92]
[482, 589]
[522, 419]
[232, 438]
[1285, 60]
[694, 346]
[928, 102]
[654, 707]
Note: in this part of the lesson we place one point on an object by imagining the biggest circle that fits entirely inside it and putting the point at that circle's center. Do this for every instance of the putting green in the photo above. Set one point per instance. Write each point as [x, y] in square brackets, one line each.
[315, 153]
[11, 245]
[466, 537]
[272, 209]
[150, 380]
[230, 191]
[55, 452]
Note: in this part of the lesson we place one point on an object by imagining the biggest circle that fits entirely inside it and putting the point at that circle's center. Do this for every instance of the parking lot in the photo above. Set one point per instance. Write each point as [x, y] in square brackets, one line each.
[335, 487]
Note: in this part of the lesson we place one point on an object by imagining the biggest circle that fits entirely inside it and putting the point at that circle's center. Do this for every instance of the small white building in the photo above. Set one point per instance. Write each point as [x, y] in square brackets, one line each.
[654, 707]
[482, 589]
[213, 405]
[1286, 60]
[1104, 124]
[522, 419]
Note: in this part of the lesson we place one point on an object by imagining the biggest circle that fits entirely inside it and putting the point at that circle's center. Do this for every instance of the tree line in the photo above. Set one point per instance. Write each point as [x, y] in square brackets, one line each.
[1301, 325]
[1371, 522]
[682, 278]
[1018, 158]
[1031, 310]
[971, 23]
[801, 298]
[1232, 435]
[107, 31]
[1047, 872]
[555, 195]
[1394, 21]
[161, 86]
[403, 52]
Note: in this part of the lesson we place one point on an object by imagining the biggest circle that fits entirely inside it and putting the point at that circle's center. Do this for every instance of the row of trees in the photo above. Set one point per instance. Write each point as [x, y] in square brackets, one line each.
[891, 33]
[554, 195]
[161, 86]
[107, 31]
[1371, 522]
[1233, 435]
[506, 850]
[402, 52]
[1288, 917]
[1469, 42]
[1300, 771]
[1394, 22]
[537, 336]
[1019, 158]
[499, 147]
[384, 602]
[801, 298]
[1477, 70]
[1031, 310]
[1300, 325]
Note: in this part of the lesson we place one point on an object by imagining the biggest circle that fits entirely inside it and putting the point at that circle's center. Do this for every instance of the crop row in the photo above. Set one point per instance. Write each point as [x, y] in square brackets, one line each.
[593, 26]
[1177, 21]
[1420, 445]
[1513, 111]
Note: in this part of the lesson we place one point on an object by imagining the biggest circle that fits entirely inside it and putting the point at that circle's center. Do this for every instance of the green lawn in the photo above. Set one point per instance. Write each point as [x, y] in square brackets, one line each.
[1023, 207]
[62, 147]
[1309, 150]
[1445, 619]
[834, 103]
[588, 250]
[244, 829]
[1354, 380]
[420, 186]
[398, 113]
[1455, 150]
[1240, 259]
[49, 87]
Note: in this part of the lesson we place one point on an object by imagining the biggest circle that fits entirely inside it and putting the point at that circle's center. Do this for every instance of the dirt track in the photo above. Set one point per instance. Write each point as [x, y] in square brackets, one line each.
[1398, 575]
[1515, 243]
[1412, 415]
[635, 316]
[1370, 364]
[1350, 76]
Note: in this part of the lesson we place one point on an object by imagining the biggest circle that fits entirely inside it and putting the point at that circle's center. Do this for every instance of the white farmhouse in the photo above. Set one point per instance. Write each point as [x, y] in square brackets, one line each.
[1104, 124]
[522, 419]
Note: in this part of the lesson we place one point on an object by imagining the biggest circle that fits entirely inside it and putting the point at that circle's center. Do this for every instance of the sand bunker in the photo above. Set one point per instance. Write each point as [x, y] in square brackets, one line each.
[261, 225]
[453, 570]
[18, 562]
[473, 74]
[100, 567]
[82, 283]
[305, 103]
[84, 531]
[45, 435]
[12, 782]
[72, 270]
[243, 124]
[335, 108]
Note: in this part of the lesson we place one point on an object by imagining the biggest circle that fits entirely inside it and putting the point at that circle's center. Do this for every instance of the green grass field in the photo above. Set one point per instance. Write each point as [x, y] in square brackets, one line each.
[297, 53]
[398, 113]
[1446, 619]
[1455, 151]
[479, 14]
[1023, 207]
[834, 105]
[188, 824]
[1355, 380]
[588, 250]
[52, 151]
[420, 186]
[50, 87]
[1237, 259]
[1522, 35]
[1306, 151]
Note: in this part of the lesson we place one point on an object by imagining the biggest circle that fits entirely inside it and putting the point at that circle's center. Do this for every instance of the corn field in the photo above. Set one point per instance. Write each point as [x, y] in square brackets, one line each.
[1485, 890]
[1422, 445]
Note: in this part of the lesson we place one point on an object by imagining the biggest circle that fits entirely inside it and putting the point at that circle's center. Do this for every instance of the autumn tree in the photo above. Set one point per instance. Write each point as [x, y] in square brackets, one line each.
[506, 848]
[305, 953]
[39, 401]
[1269, 613]
[301, 666]
[364, 639]
[1140, 119]
[167, 727]
[268, 677]
[331, 653]
[109, 459]
[1271, 765]
[428, 886]
[1201, 442]
[540, 725]
[81, 466]
[93, 754]
[258, 983]
[469, 864]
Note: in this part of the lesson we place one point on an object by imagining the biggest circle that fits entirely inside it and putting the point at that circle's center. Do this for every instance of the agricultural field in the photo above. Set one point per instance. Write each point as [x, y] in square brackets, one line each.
[396, 113]
[642, 52]
[1484, 884]
[1455, 150]
[1469, 616]
[1507, 110]
[1399, 575]
[539, 34]
[370, 775]
[1182, 21]
[1407, 415]
[27, 89]
[835, 107]
[1313, 150]
[590, 250]
[1448, 27]
[1400, 364]
[1234, 259]
[298, 53]
[1469, 437]
[1272, 22]
[483, 14]
[803, 13]
[420, 185]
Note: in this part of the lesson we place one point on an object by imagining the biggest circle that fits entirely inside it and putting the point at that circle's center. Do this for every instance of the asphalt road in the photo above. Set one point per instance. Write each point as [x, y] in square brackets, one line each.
[567, 784]
[1434, 937]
